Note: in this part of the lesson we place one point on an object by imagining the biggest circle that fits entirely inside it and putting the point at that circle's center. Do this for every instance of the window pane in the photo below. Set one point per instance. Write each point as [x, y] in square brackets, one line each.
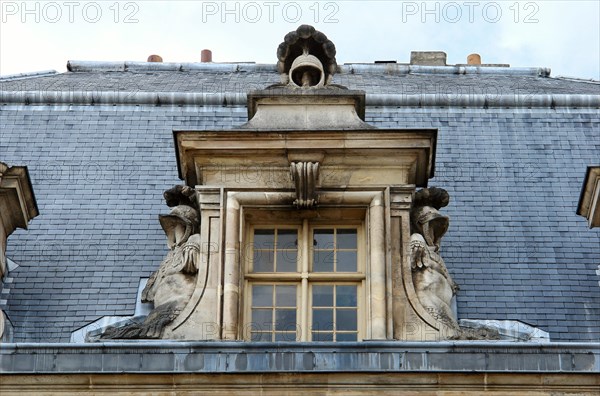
[262, 296]
[346, 319]
[323, 239]
[322, 319]
[263, 261]
[287, 239]
[264, 239]
[285, 296]
[346, 262]
[287, 261]
[322, 336]
[345, 337]
[285, 336]
[323, 261]
[322, 296]
[262, 319]
[260, 337]
[285, 319]
[345, 296]
[346, 239]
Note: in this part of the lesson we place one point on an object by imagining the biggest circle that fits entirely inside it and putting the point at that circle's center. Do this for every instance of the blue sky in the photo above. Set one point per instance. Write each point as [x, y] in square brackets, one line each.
[42, 35]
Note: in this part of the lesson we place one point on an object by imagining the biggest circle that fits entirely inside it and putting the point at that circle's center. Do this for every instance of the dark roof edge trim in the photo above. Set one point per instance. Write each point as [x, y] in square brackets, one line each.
[500, 346]
[239, 99]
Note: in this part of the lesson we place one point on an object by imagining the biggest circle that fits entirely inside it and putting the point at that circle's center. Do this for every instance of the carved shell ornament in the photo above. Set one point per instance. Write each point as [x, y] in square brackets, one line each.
[306, 58]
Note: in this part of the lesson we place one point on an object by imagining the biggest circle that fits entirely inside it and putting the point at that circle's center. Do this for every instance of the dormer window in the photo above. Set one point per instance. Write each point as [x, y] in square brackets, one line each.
[304, 282]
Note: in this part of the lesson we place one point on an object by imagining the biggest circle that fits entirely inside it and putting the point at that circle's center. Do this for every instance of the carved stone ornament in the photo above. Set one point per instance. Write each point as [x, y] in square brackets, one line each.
[306, 58]
[170, 287]
[433, 285]
[305, 176]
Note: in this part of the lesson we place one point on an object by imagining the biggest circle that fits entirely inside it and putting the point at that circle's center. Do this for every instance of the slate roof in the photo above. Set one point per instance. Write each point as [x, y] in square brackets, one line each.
[373, 79]
[515, 244]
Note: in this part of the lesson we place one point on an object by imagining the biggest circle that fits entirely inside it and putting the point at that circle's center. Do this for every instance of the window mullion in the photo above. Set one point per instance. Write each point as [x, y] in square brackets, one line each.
[305, 254]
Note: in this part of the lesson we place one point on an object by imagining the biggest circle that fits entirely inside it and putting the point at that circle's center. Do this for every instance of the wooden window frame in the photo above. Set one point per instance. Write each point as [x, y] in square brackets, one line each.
[305, 278]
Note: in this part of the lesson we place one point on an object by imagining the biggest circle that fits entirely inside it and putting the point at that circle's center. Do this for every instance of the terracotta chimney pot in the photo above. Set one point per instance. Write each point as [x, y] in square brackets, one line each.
[206, 56]
[154, 58]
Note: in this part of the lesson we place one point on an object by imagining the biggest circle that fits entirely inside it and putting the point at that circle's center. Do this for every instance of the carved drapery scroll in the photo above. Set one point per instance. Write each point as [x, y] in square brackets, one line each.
[305, 175]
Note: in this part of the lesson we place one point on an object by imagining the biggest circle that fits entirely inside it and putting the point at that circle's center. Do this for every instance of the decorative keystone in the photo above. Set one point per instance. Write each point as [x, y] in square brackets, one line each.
[305, 176]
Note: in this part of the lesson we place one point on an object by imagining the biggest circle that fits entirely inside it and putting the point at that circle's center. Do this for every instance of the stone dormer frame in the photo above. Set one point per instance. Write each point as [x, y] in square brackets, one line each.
[17, 204]
[377, 263]
[240, 171]
[17, 207]
[589, 201]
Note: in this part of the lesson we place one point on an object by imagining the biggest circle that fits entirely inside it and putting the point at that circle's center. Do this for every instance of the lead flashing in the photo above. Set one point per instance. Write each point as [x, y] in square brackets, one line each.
[76, 66]
[348, 68]
[240, 99]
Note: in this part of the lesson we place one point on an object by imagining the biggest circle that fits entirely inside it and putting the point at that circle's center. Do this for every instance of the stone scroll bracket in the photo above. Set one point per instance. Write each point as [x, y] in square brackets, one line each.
[305, 176]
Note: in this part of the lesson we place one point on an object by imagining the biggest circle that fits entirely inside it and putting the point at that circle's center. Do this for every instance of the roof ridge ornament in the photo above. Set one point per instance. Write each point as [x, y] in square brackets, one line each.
[306, 58]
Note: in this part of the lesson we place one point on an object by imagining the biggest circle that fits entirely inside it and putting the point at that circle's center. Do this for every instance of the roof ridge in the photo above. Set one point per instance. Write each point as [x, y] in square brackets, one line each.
[22, 76]
[577, 79]
[350, 68]
[77, 66]
[403, 69]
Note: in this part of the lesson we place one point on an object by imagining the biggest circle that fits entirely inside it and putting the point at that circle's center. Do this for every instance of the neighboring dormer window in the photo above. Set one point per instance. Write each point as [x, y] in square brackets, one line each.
[304, 282]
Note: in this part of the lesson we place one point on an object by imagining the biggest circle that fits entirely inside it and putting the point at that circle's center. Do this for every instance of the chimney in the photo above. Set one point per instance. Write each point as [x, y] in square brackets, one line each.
[474, 60]
[206, 56]
[428, 58]
[155, 58]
